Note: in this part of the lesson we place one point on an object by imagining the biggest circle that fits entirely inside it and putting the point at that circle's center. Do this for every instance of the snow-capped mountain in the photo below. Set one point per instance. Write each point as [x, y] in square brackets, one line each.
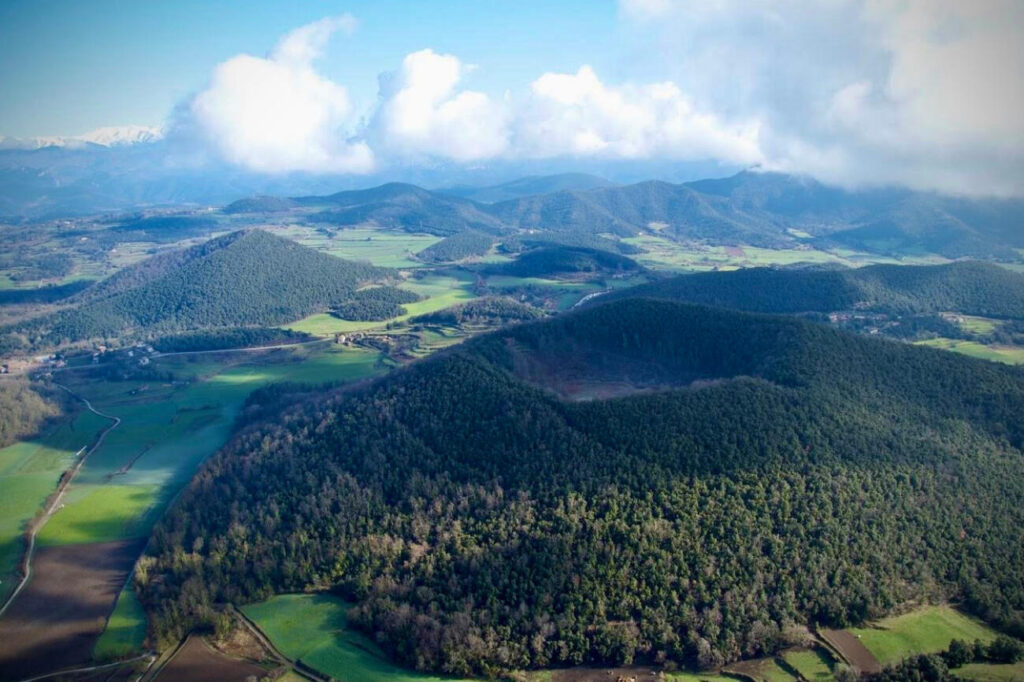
[109, 136]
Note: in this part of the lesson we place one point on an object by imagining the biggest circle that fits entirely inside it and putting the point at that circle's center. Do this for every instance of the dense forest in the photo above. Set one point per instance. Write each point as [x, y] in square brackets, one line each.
[458, 246]
[241, 279]
[490, 310]
[374, 303]
[755, 472]
[229, 337]
[24, 410]
[970, 287]
[45, 294]
[548, 261]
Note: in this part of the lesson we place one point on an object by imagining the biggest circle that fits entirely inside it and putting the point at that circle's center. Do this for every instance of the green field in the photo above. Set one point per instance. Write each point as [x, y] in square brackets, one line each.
[126, 629]
[924, 631]
[167, 430]
[1011, 355]
[992, 672]
[812, 664]
[982, 326]
[439, 292]
[699, 677]
[29, 472]
[663, 253]
[314, 628]
[385, 248]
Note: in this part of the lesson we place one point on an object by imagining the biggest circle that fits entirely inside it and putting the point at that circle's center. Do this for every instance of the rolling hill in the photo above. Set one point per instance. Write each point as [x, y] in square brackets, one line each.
[639, 481]
[243, 278]
[565, 261]
[528, 186]
[403, 207]
[970, 287]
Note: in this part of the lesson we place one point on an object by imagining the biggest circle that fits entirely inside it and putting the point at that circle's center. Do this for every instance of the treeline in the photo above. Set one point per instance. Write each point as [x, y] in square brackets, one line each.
[942, 667]
[558, 260]
[490, 310]
[46, 294]
[458, 246]
[480, 524]
[969, 287]
[242, 279]
[234, 337]
[374, 303]
[24, 410]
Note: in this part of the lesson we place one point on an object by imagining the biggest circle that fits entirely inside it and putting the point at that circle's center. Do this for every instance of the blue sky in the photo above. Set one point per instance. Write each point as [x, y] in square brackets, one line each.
[69, 66]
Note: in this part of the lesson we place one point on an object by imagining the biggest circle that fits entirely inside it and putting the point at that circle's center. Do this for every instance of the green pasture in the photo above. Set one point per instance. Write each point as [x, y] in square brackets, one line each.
[812, 664]
[384, 248]
[126, 628]
[1011, 355]
[924, 631]
[992, 672]
[29, 472]
[439, 291]
[660, 252]
[166, 431]
[982, 326]
[314, 628]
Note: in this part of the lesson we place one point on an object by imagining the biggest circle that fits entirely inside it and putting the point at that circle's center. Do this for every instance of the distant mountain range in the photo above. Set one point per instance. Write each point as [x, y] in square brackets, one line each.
[529, 186]
[751, 208]
[119, 168]
[110, 136]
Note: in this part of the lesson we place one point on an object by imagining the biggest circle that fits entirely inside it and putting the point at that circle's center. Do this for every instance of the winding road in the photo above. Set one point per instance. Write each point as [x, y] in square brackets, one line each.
[36, 524]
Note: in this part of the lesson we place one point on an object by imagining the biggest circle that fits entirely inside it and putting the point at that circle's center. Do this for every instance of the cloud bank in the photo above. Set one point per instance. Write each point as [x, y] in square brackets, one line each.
[923, 93]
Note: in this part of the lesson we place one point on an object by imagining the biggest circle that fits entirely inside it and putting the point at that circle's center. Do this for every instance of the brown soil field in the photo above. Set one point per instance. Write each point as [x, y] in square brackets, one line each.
[55, 622]
[197, 661]
[852, 650]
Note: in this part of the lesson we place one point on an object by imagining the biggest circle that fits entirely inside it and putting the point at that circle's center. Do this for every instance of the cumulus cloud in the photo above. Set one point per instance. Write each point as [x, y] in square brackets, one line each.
[576, 114]
[423, 113]
[925, 93]
[277, 114]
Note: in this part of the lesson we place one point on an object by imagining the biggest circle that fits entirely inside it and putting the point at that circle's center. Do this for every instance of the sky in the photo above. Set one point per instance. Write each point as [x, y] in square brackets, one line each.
[920, 93]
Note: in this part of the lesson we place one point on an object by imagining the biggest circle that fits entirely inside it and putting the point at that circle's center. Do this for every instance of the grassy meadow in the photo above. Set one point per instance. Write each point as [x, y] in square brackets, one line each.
[1011, 355]
[314, 628]
[923, 631]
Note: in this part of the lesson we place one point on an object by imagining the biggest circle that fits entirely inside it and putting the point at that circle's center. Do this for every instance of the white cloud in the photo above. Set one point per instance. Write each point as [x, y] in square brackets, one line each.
[925, 93]
[578, 115]
[422, 112]
[277, 114]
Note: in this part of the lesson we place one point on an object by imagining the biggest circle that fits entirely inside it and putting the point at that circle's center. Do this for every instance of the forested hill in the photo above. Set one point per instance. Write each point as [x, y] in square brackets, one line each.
[405, 207]
[969, 287]
[487, 509]
[243, 278]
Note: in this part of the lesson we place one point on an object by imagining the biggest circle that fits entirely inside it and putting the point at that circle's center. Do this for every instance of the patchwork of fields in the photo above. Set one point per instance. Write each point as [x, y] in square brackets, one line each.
[167, 429]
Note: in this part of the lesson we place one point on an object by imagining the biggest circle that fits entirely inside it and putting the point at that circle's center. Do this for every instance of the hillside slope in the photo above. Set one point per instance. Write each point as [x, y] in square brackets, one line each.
[486, 514]
[528, 186]
[404, 207]
[243, 278]
[970, 287]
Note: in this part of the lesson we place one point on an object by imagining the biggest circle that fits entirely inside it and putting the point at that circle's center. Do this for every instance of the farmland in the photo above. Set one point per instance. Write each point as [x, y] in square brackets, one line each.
[313, 628]
[167, 428]
[924, 631]
[663, 253]
[1011, 355]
